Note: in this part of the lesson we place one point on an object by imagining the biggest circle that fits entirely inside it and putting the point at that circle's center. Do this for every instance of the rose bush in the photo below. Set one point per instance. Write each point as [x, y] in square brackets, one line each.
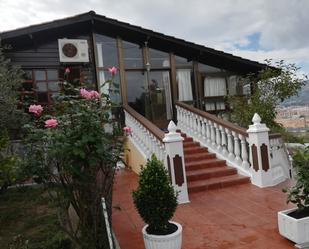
[73, 154]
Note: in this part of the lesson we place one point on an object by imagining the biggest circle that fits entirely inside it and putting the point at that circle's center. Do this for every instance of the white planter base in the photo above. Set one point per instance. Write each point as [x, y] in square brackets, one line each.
[296, 230]
[170, 241]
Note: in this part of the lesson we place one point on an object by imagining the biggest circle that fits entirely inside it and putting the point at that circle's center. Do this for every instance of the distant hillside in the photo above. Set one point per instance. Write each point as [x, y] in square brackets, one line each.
[301, 100]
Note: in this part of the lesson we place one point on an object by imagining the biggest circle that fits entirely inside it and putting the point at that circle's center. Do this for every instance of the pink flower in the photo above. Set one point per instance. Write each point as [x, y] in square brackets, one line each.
[51, 123]
[94, 94]
[113, 70]
[89, 94]
[36, 109]
[85, 94]
[127, 130]
[67, 70]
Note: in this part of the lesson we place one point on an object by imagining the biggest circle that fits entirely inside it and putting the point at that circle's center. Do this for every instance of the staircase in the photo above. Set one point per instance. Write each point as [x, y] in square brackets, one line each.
[205, 171]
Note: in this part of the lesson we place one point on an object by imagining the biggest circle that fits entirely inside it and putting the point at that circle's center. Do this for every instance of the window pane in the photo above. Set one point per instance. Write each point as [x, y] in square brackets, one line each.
[133, 57]
[185, 85]
[136, 90]
[52, 74]
[158, 58]
[107, 51]
[53, 86]
[112, 89]
[180, 61]
[39, 75]
[42, 98]
[208, 69]
[41, 86]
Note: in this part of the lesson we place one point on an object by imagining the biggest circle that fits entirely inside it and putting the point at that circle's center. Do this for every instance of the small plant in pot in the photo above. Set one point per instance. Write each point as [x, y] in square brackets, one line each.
[294, 223]
[156, 201]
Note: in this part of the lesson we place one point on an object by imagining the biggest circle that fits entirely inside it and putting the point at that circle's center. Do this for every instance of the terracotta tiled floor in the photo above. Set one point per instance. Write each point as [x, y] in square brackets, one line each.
[242, 216]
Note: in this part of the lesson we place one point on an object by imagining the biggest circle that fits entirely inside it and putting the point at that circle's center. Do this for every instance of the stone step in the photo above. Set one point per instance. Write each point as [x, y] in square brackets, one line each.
[202, 174]
[199, 156]
[207, 163]
[192, 150]
[216, 183]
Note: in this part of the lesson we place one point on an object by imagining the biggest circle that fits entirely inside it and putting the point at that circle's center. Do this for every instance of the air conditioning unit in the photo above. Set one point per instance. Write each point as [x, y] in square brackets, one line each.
[73, 50]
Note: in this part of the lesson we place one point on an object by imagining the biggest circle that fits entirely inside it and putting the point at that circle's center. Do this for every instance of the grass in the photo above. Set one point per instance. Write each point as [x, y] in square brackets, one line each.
[25, 215]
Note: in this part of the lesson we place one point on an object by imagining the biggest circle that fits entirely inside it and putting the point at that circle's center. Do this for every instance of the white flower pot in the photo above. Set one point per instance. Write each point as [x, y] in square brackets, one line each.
[296, 230]
[169, 241]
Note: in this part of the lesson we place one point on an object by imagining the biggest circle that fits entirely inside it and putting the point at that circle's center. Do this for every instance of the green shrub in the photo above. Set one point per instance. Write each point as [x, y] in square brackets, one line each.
[299, 194]
[155, 198]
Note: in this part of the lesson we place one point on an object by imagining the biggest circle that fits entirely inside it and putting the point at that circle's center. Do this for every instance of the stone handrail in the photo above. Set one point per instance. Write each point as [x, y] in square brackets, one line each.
[227, 140]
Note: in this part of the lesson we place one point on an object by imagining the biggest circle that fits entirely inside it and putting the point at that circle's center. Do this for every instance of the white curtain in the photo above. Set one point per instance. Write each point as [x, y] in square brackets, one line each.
[105, 88]
[167, 90]
[232, 84]
[214, 86]
[184, 84]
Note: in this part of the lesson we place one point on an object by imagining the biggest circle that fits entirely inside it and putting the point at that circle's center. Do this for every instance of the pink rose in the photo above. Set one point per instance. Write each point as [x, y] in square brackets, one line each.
[94, 94]
[113, 70]
[127, 130]
[51, 123]
[85, 94]
[36, 109]
[67, 70]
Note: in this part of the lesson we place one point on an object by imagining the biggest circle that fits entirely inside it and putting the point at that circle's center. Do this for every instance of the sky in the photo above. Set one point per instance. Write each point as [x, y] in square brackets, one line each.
[253, 29]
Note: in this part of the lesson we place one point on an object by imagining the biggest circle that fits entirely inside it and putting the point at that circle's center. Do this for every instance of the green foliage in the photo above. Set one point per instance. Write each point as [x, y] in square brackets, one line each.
[8, 163]
[269, 87]
[299, 194]
[11, 78]
[77, 160]
[155, 198]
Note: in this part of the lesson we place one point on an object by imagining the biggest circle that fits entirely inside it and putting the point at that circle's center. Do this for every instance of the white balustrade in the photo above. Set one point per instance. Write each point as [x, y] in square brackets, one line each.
[227, 140]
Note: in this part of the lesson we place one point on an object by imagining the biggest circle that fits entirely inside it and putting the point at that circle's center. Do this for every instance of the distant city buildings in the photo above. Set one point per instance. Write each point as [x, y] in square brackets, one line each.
[293, 117]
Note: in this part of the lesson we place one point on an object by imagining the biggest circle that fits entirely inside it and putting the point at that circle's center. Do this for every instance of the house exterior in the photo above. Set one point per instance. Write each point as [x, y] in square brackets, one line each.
[161, 78]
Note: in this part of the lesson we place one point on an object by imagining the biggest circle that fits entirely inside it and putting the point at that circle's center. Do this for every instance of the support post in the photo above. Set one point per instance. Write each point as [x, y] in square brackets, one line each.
[259, 153]
[175, 162]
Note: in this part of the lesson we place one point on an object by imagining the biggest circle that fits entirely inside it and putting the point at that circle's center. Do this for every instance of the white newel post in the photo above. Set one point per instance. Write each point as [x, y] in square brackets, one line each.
[175, 162]
[259, 153]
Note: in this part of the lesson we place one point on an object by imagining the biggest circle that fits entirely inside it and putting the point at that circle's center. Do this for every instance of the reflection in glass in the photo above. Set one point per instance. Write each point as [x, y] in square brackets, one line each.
[137, 90]
[53, 86]
[158, 58]
[52, 74]
[180, 61]
[41, 86]
[107, 51]
[39, 75]
[133, 57]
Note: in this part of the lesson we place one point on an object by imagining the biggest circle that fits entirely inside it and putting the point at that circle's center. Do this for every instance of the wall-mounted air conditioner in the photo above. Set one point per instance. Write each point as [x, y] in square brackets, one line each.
[73, 50]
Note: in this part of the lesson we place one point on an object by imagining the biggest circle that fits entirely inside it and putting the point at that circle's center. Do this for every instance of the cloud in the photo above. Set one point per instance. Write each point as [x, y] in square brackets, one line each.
[255, 29]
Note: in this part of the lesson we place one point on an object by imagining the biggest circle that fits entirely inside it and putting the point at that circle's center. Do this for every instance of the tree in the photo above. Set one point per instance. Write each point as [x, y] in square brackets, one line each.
[11, 78]
[269, 87]
[73, 153]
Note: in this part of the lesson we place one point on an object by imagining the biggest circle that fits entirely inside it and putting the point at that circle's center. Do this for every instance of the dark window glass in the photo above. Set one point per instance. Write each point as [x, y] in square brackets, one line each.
[42, 97]
[27, 86]
[181, 61]
[158, 58]
[107, 51]
[28, 74]
[52, 75]
[136, 90]
[133, 57]
[39, 75]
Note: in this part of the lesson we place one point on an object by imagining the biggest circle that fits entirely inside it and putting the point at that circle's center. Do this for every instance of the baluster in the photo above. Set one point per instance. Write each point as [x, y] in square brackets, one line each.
[230, 146]
[244, 153]
[208, 132]
[212, 135]
[218, 138]
[199, 127]
[224, 142]
[203, 130]
[236, 148]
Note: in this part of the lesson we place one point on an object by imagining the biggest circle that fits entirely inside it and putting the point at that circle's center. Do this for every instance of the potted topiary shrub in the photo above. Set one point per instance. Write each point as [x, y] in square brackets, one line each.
[156, 201]
[294, 223]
